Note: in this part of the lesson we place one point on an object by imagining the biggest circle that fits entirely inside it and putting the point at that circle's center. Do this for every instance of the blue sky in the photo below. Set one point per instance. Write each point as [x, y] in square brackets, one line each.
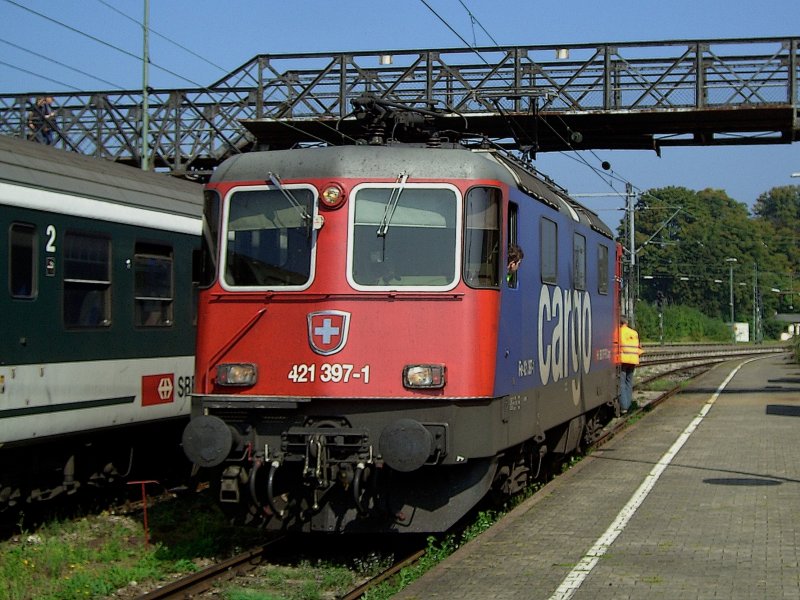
[223, 34]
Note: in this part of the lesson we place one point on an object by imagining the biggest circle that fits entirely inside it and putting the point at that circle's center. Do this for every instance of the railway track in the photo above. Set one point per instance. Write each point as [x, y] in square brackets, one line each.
[197, 584]
[659, 364]
[373, 582]
[656, 355]
[205, 583]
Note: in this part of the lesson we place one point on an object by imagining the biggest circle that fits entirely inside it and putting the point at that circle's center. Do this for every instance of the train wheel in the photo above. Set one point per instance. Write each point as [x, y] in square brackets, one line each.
[513, 475]
[594, 427]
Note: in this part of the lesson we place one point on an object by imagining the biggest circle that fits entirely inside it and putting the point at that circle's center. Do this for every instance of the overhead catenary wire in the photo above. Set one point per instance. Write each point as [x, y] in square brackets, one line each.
[27, 72]
[450, 27]
[60, 64]
[474, 20]
[103, 42]
[122, 50]
[163, 37]
[458, 35]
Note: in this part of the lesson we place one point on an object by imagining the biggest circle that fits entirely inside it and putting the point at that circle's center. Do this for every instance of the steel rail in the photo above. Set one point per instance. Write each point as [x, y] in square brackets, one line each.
[202, 581]
[375, 581]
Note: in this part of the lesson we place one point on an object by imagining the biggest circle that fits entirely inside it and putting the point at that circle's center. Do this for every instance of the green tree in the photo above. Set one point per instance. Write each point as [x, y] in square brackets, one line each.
[778, 213]
[684, 239]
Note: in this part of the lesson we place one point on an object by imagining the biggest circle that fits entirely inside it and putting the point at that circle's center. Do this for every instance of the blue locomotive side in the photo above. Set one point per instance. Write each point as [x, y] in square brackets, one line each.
[555, 355]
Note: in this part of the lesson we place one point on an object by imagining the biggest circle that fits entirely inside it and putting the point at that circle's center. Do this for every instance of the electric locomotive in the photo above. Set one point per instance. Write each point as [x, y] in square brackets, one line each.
[366, 362]
[98, 325]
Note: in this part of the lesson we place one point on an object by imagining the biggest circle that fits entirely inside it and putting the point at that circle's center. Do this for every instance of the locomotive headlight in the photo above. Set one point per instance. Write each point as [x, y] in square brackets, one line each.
[332, 196]
[424, 376]
[237, 374]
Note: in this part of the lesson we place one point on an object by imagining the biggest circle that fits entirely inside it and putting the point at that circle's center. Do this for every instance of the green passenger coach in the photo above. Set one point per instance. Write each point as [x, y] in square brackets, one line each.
[98, 317]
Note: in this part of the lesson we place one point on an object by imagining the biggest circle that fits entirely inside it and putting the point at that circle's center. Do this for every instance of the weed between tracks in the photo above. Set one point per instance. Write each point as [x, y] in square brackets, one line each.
[105, 556]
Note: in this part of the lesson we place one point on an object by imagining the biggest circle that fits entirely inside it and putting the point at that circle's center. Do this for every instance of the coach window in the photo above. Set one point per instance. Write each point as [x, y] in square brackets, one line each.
[23, 257]
[153, 287]
[602, 269]
[87, 280]
[482, 238]
[270, 238]
[579, 261]
[549, 251]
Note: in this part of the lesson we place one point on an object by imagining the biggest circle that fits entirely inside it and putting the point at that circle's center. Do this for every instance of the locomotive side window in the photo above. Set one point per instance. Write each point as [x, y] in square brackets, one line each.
[482, 238]
[579, 261]
[548, 251]
[23, 256]
[87, 280]
[602, 269]
[205, 268]
[269, 238]
[513, 211]
[404, 236]
[153, 286]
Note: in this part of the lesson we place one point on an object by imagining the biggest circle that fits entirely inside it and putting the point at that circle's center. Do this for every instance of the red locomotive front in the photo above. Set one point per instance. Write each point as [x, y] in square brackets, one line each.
[352, 372]
[336, 288]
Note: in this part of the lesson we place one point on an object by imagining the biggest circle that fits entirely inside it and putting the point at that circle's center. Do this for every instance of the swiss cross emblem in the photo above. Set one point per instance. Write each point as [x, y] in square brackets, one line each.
[158, 389]
[165, 388]
[327, 331]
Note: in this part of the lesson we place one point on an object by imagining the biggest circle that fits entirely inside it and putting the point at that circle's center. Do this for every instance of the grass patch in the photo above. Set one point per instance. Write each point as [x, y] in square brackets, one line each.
[323, 580]
[95, 556]
[104, 555]
[88, 558]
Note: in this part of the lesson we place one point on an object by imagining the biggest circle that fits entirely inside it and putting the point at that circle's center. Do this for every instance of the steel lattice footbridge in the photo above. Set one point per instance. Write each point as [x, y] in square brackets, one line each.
[643, 95]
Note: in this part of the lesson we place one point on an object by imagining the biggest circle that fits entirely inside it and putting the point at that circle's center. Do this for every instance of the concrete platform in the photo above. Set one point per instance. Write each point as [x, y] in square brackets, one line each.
[699, 499]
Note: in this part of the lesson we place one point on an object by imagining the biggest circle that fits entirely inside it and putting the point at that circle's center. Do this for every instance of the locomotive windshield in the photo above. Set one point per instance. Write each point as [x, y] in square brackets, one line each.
[404, 236]
[269, 238]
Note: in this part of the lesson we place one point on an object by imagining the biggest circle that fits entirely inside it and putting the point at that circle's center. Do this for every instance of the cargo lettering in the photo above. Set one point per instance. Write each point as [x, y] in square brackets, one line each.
[564, 333]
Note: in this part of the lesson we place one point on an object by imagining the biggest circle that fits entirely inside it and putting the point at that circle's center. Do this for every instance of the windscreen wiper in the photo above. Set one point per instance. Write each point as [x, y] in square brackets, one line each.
[391, 205]
[275, 181]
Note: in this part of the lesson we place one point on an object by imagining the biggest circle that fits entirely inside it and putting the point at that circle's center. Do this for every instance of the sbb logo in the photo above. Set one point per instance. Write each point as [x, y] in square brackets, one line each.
[158, 389]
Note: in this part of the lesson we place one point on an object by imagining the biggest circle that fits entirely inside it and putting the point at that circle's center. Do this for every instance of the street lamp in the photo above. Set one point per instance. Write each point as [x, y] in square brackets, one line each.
[730, 262]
